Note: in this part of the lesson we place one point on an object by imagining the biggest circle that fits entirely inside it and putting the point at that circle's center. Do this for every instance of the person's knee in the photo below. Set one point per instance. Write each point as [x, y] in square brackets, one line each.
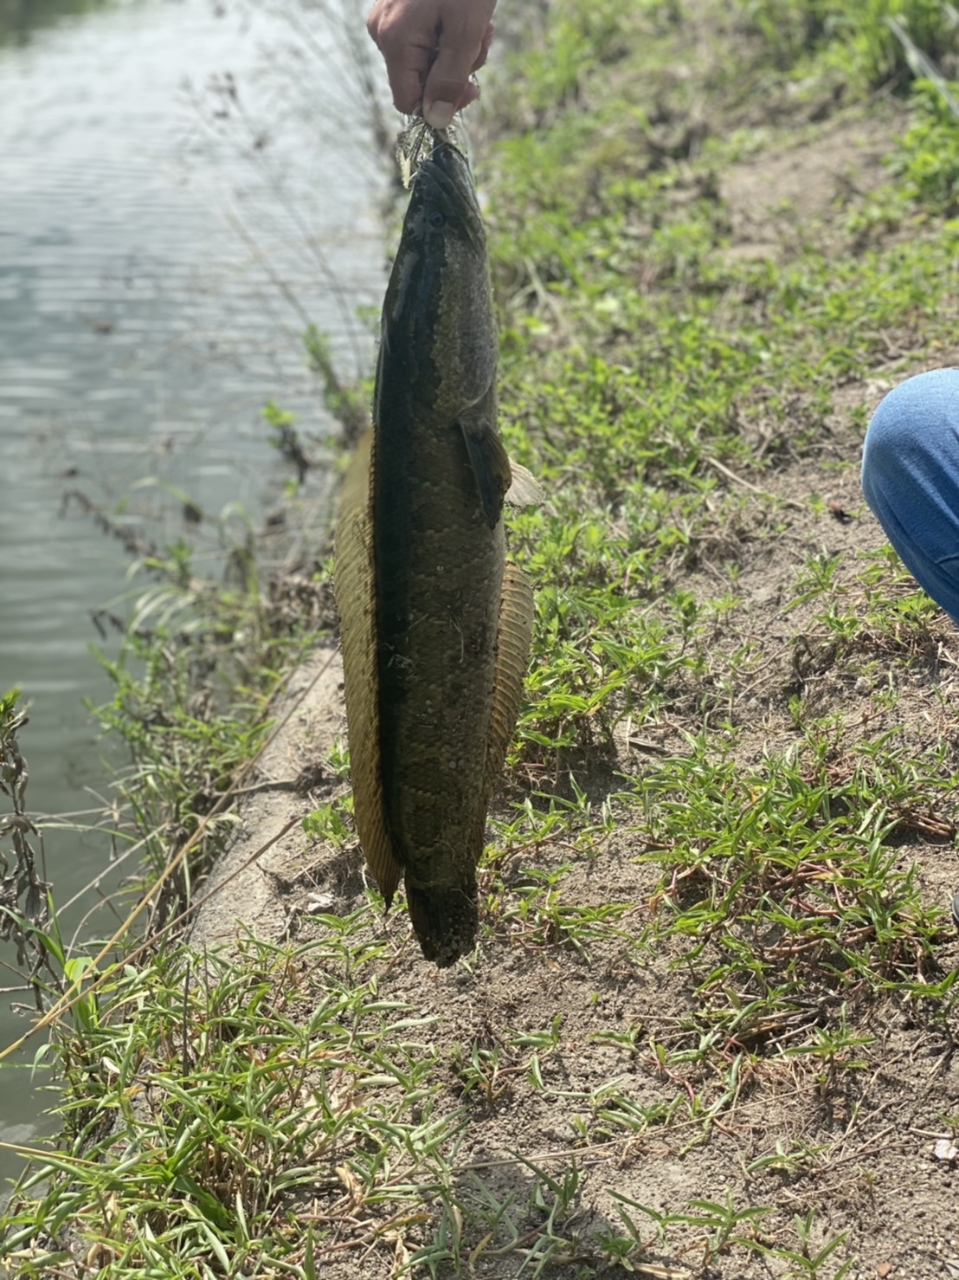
[887, 437]
[900, 420]
[914, 419]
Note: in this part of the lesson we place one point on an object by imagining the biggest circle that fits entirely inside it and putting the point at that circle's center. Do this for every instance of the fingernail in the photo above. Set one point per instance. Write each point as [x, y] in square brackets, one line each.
[439, 114]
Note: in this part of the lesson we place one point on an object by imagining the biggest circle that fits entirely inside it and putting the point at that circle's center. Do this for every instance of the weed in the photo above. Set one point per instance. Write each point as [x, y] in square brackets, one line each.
[328, 822]
[285, 438]
[707, 922]
[25, 916]
[864, 37]
[927, 160]
[225, 1093]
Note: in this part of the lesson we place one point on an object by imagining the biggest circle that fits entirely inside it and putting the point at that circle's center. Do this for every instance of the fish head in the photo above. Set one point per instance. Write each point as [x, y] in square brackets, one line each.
[443, 204]
[439, 306]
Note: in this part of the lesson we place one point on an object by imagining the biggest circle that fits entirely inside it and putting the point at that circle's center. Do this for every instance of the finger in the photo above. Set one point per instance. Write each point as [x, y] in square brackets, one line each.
[406, 74]
[484, 48]
[470, 94]
[406, 36]
[465, 29]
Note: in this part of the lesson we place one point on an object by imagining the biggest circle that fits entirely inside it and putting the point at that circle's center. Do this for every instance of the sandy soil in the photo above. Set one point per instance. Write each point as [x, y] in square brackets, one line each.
[872, 1172]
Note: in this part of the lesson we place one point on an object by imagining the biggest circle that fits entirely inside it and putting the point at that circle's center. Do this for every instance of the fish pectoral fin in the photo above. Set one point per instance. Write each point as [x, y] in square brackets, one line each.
[525, 490]
[488, 459]
[354, 588]
[513, 637]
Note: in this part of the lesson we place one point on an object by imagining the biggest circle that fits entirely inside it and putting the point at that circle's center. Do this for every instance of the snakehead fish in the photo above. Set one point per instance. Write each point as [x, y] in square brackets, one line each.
[435, 624]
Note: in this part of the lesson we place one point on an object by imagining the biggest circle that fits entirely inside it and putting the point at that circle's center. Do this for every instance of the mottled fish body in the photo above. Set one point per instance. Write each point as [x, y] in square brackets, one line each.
[435, 624]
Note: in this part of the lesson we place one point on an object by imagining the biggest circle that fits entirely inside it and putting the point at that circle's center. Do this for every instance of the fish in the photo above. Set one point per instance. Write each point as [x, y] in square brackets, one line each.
[435, 623]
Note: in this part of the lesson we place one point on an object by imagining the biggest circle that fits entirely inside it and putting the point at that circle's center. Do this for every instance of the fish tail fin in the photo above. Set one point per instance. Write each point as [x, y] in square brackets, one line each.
[445, 920]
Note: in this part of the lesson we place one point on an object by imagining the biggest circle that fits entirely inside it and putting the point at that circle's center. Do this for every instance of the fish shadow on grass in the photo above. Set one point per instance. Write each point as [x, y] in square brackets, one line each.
[337, 874]
[588, 773]
[539, 1208]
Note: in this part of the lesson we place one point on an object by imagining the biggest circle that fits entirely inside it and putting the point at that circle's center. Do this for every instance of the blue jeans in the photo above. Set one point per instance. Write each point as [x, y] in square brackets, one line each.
[910, 476]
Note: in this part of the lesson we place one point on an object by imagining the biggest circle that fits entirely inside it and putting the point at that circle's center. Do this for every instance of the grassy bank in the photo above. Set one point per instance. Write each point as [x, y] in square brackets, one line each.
[709, 1026]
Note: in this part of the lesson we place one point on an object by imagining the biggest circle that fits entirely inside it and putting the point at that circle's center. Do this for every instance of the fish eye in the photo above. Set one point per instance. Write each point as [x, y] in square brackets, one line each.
[437, 219]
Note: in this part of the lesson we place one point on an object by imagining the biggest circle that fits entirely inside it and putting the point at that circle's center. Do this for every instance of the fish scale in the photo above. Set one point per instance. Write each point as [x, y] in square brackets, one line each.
[435, 624]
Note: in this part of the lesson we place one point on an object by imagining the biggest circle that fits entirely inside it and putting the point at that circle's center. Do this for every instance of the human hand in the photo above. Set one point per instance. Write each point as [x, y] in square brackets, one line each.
[431, 48]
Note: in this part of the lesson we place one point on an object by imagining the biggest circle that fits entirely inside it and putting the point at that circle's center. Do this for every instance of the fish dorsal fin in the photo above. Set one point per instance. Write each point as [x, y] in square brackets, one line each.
[524, 490]
[513, 638]
[487, 457]
[354, 587]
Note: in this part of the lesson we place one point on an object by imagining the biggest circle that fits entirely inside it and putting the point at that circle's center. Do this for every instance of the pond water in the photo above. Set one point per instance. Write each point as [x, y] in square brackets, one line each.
[184, 185]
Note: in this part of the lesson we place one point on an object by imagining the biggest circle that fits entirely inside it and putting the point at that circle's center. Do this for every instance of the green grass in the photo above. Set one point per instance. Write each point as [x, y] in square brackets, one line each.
[273, 1110]
[198, 1125]
[705, 894]
[860, 38]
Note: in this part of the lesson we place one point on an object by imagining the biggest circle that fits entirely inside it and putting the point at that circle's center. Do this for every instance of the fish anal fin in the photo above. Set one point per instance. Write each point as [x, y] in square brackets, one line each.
[353, 583]
[487, 457]
[513, 638]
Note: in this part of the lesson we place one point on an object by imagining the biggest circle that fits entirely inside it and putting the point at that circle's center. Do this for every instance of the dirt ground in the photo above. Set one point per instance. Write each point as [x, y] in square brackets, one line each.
[872, 1171]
